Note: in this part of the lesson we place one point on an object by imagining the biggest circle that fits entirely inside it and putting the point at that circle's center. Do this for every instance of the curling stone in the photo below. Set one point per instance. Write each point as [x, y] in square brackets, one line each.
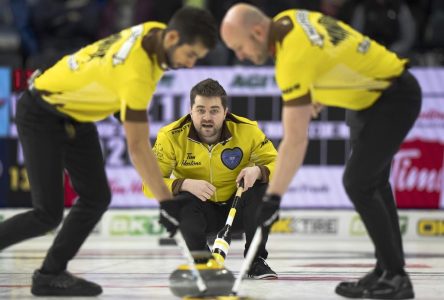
[218, 279]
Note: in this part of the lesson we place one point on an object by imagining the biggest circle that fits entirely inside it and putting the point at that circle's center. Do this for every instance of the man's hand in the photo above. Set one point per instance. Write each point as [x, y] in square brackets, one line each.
[250, 175]
[170, 215]
[199, 188]
[268, 211]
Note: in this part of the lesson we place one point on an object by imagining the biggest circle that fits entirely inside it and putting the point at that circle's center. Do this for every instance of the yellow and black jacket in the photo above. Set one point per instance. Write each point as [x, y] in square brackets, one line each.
[108, 76]
[182, 155]
[331, 61]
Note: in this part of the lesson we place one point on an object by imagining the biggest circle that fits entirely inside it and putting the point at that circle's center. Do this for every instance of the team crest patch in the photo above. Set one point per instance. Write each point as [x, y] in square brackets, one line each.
[231, 158]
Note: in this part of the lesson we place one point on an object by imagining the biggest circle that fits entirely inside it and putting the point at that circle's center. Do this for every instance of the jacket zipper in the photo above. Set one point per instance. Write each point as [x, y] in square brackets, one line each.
[210, 153]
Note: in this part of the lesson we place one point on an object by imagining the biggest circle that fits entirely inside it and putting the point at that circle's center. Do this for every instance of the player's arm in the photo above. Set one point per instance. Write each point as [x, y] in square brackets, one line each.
[296, 115]
[165, 154]
[139, 148]
[263, 155]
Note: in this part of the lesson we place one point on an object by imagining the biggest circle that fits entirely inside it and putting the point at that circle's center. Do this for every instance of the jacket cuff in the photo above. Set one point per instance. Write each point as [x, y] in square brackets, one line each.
[265, 172]
[177, 184]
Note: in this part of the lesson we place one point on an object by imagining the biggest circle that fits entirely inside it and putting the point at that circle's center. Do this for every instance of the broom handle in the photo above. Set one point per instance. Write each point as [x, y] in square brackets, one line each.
[248, 260]
[233, 208]
[186, 252]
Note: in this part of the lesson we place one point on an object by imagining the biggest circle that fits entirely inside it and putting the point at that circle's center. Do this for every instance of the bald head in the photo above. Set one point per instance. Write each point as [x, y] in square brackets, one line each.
[242, 17]
[244, 24]
[243, 14]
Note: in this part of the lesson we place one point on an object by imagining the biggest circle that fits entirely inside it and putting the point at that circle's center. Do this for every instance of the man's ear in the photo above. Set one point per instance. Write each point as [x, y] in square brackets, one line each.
[172, 37]
[258, 32]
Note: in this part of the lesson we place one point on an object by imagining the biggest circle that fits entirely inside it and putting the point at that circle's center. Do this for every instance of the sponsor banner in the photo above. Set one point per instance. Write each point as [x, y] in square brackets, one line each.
[133, 224]
[297, 224]
[417, 174]
[429, 227]
[313, 226]
[417, 170]
[126, 188]
[251, 81]
[313, 186]
[238, 80]
[357, 227]
[346, 224]
[317, 130]
[317, 186]
[414, 225]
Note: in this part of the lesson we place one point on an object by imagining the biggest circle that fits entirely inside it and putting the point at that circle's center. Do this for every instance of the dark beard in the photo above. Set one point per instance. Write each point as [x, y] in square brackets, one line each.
[169, 56]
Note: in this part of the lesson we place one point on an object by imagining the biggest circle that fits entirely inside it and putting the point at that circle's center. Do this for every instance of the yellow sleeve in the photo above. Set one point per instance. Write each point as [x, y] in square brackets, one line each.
[137, 93]
[133, 98]
[166, 158]
[264, 153]
[296, 63]
[294, 79]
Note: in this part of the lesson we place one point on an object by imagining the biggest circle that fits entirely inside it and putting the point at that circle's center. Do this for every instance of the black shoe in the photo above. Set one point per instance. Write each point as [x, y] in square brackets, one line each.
[391, 286]
[261, 270]
[355, 289]
[63, 284]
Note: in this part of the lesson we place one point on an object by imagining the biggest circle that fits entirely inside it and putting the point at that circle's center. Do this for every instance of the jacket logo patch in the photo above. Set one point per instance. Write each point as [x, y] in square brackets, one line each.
[190, 160]
[231, 158]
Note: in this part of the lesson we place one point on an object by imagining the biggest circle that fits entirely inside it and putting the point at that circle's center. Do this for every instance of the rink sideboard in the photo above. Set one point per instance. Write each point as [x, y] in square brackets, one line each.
[303, 224]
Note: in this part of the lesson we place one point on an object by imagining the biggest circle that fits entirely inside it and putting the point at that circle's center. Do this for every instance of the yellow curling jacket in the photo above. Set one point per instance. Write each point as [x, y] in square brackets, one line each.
[182, 155]
[110, 75]
[325, 57]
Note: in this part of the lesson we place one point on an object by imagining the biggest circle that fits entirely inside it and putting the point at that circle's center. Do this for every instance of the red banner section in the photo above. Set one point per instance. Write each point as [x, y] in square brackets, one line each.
[417, 170]
[417, 174]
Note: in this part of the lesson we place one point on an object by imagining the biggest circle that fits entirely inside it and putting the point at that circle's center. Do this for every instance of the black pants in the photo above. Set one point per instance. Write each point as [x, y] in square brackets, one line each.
[198, 219]
[51, 143]
[376, 135]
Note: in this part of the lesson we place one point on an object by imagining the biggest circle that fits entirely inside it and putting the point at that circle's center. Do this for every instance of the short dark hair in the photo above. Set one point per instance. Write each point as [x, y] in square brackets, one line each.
[208, 88]
[194, 25]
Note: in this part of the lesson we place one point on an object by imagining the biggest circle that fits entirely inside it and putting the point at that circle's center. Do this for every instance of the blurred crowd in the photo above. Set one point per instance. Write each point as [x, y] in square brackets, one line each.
[36, 33]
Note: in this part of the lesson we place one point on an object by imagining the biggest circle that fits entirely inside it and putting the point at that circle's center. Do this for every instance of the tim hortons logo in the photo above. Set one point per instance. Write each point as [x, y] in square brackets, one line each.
[417, 174]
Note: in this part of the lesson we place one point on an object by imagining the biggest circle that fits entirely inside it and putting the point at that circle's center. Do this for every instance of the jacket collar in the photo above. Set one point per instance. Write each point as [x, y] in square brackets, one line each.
[277, 32]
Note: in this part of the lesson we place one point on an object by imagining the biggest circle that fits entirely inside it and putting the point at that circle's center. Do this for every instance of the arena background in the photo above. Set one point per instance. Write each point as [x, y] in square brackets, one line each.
[36, 33]
[416, 171]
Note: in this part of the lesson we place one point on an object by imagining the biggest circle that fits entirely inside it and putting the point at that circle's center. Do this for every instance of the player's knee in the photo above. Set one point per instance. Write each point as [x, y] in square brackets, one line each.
[356, 187]
[351, 184]
[104, 200]
[48, 221]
